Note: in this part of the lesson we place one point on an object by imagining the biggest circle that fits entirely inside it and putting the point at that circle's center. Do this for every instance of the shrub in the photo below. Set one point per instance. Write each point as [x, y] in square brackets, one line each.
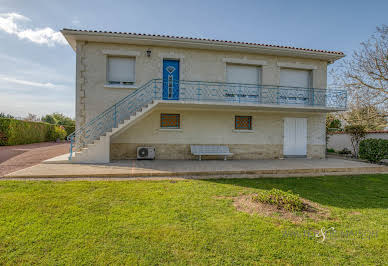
[283, 200]
[16, 132]
[374, 150]
[330, 150]
[345, 151]
[56, 132]
[69, 129]
[357, 133]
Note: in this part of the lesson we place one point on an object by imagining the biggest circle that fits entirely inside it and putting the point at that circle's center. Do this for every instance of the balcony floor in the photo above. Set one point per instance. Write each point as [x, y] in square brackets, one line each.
[247, 106]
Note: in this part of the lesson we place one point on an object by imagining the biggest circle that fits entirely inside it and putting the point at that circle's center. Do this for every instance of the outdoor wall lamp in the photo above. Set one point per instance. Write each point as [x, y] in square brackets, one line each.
[148, 52]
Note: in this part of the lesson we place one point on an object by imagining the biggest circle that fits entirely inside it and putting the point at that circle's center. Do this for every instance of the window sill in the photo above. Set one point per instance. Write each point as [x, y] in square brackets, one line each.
[170, 129]
[118, 86]
[243, 131]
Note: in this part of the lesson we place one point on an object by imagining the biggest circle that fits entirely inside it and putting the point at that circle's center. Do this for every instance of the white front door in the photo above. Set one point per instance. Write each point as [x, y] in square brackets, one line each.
[295, 136]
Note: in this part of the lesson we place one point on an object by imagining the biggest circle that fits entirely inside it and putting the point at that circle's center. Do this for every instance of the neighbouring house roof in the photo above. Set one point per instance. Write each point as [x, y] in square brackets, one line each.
[73, 35]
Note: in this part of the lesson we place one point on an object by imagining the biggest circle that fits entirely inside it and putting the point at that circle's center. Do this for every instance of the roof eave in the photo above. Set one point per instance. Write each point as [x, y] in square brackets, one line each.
[73, 36]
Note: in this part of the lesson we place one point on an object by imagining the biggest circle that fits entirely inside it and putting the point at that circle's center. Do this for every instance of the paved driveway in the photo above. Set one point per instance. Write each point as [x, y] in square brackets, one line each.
[13, 158]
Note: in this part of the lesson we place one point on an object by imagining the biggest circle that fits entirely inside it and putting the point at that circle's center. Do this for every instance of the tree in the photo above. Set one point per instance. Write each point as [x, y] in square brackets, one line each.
[368, 116]
[365, 74]
[31, 117]
[3, 115]
[356, 133]
[58, 119]
[49, 119]
[333, 123]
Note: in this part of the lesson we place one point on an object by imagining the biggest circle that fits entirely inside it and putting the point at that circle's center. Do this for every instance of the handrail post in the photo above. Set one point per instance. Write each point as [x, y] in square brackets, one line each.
[239, 93]
[312, 96]
[115, 115]
[154, 89]
[199, 92]
[71, 148]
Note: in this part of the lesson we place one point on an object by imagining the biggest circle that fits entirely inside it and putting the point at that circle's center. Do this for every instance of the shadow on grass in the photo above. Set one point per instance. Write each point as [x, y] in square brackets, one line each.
[362, 191]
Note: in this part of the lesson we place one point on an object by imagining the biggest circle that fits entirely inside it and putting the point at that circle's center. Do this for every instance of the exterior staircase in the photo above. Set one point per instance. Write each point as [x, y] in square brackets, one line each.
[99, 150]
[91, 142]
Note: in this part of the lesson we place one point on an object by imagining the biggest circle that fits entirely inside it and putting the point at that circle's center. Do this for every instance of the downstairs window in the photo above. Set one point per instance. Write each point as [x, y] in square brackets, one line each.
[243, 122]
[169, 121]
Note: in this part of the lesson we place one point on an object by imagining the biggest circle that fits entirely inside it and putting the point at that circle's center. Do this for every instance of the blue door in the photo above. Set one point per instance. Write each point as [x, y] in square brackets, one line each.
[170, 80]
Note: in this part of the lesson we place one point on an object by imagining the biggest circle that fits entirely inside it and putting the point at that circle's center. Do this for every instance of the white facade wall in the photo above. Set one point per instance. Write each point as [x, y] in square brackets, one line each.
[198, 125]
[195, 64]
[217, 127]
[339, 142]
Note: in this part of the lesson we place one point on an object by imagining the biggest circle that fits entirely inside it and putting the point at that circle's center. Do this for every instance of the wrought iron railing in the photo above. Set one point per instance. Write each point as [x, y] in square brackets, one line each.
[200, 91]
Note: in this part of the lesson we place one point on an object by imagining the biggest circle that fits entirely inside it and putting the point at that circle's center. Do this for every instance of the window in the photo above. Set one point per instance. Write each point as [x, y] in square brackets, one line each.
[244, 74]
[169, 120]
[299, 78]
[243, 122]
[295, 78]
[121, 70]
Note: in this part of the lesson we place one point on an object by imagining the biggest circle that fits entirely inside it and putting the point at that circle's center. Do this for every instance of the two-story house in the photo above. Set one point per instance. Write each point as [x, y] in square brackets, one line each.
[262, 101]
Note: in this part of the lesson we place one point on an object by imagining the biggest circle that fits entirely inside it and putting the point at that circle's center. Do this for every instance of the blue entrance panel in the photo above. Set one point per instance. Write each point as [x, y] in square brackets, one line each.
[170, 80]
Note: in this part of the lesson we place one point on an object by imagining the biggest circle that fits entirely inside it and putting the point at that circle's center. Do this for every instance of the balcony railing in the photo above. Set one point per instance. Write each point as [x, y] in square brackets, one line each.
[201, 91]
[205, 92]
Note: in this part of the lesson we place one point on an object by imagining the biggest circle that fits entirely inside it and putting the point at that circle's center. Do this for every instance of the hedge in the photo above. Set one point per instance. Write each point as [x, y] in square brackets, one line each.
[373, 150]
[15, 132]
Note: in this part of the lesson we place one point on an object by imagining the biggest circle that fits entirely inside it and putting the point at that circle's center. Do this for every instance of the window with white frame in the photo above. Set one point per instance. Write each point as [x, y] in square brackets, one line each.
[295, 86]
[121, 70]
[295, 78]
[247, 79]
[244, 74]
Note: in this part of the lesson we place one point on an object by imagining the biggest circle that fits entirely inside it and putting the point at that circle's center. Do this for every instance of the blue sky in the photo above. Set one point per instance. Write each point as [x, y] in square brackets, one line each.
[37, 68]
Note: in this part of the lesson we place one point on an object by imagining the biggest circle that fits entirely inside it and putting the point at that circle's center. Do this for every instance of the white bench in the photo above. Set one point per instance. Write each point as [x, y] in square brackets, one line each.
[210, 150]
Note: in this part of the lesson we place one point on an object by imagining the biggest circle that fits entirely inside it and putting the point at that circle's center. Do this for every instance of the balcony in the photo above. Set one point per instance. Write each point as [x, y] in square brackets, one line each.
[248, 94]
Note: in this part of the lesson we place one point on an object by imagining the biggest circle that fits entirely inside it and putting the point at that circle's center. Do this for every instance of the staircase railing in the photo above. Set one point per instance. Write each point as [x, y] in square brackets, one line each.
[114, 115]
[200, 91]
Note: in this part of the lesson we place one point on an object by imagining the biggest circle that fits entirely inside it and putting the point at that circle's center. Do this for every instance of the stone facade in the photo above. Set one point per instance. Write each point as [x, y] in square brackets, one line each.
[195, 64]
[216, 127]
[123, 151]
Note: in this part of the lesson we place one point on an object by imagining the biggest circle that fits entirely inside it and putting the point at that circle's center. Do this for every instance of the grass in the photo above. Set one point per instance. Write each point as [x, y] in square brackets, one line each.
[188, 222]
[282, 199]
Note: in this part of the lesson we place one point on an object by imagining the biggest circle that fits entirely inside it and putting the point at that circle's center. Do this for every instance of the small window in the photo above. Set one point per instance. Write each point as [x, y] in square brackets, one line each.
[121, 70]
[243, 122]
[169, 120]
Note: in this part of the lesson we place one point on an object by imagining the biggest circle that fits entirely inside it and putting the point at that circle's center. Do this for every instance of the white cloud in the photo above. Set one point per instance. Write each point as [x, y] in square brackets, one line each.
[47, 85]
[10, 23]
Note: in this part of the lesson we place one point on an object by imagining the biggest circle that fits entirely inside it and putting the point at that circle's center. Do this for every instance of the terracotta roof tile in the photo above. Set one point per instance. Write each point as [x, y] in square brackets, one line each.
[211, 40]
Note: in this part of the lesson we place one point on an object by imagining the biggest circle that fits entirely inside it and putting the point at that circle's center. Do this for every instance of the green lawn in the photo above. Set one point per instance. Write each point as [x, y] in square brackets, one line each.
[187, 222]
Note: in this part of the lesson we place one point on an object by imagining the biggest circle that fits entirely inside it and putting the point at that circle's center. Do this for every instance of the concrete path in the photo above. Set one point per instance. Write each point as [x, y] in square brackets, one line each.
[201, 169]
[13, 158]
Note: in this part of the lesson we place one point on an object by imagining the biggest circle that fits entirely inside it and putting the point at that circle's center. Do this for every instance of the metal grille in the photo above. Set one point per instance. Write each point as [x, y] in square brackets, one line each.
[169, 120]
[243, 122]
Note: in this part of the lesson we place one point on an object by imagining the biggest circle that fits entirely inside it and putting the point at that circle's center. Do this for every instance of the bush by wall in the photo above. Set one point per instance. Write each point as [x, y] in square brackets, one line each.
[15, 132]
[69, 129]
[56, 132]
[373, 150]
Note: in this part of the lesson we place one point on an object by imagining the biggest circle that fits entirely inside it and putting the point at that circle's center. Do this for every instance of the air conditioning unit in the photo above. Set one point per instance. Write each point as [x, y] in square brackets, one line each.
[145, 153]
